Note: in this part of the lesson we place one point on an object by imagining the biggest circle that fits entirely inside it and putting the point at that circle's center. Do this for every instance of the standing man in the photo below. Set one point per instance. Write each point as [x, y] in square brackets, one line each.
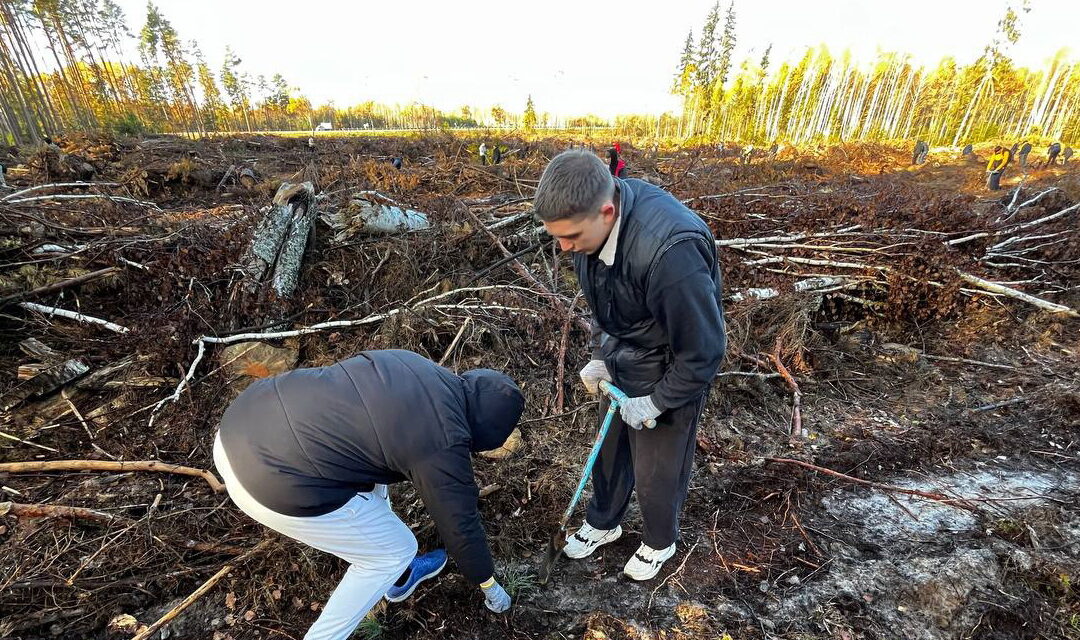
[648, 268]
[483, 153]
[748, 154]
[918, 155]
[1052, 154]
[1023, 156]
[996, 166]
[616, 165]
[309, 453]
[1068, 153]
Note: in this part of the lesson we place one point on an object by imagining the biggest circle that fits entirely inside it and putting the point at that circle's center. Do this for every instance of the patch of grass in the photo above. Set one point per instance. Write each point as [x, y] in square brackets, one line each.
[371, 628]
[1009, 529]
[519, 582]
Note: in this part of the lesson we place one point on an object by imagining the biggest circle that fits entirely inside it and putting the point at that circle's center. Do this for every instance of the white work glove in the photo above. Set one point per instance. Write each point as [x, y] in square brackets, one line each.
[495, 597]
[592, 374]
[635, 411]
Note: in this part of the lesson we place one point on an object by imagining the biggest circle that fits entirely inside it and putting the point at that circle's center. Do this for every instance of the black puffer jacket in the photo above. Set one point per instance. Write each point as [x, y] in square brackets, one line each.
[305, 442]
[658, 308]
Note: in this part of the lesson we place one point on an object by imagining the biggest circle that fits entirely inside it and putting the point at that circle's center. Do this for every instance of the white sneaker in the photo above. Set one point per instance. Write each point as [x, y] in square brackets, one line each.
[646, 562]
[587, 539]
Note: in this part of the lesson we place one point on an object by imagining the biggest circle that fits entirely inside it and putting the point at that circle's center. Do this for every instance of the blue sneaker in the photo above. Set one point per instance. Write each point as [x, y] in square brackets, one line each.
[423, 567]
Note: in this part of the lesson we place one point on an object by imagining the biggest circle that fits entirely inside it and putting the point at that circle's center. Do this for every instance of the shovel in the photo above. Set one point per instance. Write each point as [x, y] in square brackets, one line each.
[558, 539]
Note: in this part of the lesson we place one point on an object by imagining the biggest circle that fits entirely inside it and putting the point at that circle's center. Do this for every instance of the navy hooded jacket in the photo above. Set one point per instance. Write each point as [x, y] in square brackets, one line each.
[305, 442]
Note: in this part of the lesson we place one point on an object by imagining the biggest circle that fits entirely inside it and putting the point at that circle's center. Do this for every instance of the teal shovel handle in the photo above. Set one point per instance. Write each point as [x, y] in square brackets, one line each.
[618, 397]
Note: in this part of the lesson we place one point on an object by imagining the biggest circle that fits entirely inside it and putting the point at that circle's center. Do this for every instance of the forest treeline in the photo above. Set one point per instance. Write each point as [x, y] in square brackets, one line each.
[64, 66]
[825, 97]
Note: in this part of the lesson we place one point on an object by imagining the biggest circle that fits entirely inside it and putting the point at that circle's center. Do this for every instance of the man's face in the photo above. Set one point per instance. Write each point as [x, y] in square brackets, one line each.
[584, 233]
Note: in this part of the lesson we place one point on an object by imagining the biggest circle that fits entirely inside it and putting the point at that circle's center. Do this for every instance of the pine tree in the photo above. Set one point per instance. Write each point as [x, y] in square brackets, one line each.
[727, 46]
[235, 86]
[706, 53]
[686, 66]
[528, 121]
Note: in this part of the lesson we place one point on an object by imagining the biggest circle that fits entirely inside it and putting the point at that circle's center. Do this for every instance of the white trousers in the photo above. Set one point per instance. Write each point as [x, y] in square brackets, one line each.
[365, 532]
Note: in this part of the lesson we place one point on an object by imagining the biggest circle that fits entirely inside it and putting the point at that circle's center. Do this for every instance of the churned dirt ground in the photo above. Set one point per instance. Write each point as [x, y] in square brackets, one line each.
[861, 293]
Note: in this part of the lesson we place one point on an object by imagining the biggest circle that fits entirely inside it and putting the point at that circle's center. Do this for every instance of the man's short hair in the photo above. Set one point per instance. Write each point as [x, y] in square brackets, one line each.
[575, 182]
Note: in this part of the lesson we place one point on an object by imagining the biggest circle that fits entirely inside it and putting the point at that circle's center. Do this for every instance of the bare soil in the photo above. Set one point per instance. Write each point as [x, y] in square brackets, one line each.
[900, 393]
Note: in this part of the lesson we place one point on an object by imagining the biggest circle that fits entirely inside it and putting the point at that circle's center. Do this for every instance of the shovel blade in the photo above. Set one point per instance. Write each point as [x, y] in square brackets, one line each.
[554, 550]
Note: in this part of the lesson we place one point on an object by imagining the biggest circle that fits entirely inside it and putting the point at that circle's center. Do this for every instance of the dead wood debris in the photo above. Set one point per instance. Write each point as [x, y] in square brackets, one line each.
[138, 281]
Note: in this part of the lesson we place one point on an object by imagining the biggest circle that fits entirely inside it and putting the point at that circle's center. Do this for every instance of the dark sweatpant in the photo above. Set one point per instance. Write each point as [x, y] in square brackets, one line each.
[658, 461]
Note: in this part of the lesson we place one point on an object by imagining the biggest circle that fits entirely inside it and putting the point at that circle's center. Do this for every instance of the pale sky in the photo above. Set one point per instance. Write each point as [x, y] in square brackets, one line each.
[573, 56]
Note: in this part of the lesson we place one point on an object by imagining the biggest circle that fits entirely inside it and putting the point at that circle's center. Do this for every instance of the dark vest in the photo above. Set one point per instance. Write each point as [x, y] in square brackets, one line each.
[634, 346]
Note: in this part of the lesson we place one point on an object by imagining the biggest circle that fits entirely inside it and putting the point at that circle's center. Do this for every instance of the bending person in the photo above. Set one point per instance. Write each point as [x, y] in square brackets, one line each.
[309, 453]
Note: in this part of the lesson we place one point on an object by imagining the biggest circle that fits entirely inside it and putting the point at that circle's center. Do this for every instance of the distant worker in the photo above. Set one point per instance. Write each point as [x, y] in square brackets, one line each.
[996, 167]
[496, 155]
[616, 165]
[1052, 154]
[1068, 153]
[1023, 155]
[748, 154]
[483, 153]
[968, 152]
[918, 154]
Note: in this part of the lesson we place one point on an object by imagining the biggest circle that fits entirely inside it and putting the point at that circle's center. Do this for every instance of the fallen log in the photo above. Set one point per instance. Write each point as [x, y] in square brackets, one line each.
[42, 378]
[277, 248]
[371, 213]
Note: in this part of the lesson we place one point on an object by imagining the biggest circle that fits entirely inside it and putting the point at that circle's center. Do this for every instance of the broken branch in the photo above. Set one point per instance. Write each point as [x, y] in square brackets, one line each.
[198, 593]
[119, 467]
[936, 497]
[100, 517]
[994, 287]
[72, 315]
[57, 286]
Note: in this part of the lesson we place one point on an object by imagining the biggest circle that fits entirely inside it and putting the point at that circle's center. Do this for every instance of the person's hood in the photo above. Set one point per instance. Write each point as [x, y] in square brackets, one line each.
[493, 405]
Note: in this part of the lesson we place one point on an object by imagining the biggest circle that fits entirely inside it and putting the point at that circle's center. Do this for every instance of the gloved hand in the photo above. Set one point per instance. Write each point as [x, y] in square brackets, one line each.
[495, 597]
[592, 374]
[635, 411]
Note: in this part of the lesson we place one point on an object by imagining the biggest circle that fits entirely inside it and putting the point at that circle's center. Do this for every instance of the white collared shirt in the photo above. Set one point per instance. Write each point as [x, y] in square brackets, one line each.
[607, 252]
